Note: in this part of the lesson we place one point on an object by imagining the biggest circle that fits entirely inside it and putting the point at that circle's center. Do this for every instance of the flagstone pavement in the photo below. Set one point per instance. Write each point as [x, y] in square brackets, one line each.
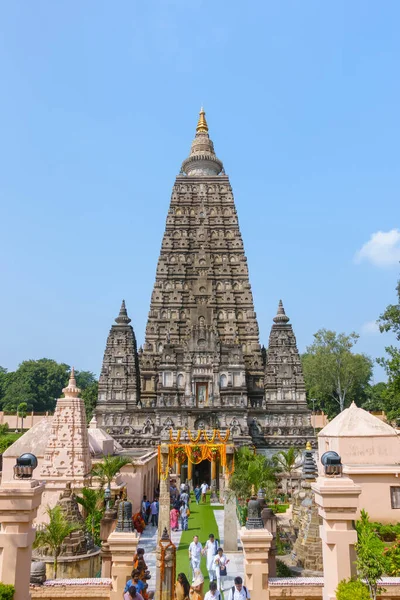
[148, 541]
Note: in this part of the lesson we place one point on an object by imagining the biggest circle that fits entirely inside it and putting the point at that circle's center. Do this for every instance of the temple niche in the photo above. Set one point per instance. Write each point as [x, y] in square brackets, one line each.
[201, 364]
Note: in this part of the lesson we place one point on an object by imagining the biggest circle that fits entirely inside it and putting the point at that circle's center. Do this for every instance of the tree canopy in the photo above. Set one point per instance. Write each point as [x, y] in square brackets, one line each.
[334, 375]
[252, 470]
[389, 321]
[39, 383]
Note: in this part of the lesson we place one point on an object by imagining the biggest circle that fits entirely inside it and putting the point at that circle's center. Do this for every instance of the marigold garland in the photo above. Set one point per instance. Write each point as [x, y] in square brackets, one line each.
[212, 440]
[178, 437]
[194, 440]
[163, 550]
[226, 438]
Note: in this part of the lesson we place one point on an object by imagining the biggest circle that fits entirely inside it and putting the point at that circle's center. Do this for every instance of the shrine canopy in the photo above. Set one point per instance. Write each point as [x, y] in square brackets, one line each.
[204, 445]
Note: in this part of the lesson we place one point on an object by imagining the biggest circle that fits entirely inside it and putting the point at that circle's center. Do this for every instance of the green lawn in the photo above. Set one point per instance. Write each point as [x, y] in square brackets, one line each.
[201, 522]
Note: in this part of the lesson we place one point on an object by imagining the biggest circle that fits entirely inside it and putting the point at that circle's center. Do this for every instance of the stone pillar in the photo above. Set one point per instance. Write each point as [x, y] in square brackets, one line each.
[166, 567]
[178, 468]
[107, 526]
[256, 547]
[164, 500]
[19, 502]
[123, 548]
[230, 519]
[214, 472]
[337, 501]
[190, 474]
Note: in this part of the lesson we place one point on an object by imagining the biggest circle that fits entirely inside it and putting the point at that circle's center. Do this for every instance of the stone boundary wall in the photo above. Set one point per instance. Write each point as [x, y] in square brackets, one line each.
[305, 588]
[79, 589]
[30, 420]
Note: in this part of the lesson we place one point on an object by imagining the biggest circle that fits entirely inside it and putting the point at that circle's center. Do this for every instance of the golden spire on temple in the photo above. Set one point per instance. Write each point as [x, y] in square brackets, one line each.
[202, 126]
[308, 446]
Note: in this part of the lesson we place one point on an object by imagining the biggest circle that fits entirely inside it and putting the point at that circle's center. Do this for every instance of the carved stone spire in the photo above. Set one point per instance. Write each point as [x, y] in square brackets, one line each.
[281, 316]
[67, 452]
[202, 159]
[71, 391]
[123, 318]
[285, 391]
[119, 384]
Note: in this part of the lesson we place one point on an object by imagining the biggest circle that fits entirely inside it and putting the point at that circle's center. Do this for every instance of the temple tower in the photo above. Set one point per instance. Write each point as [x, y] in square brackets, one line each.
[201, 365]
[202, 349]
[119, 382]
[288, 419]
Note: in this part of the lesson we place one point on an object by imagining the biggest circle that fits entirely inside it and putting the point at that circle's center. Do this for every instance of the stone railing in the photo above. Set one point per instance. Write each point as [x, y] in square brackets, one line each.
[79, 589]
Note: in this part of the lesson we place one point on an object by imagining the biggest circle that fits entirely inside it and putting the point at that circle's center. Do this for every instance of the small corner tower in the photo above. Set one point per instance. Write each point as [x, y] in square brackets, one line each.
[119, 383]
[288, 421]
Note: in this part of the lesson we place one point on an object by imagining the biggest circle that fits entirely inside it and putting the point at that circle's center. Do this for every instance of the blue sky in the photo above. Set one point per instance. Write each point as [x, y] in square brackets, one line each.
[98, 109]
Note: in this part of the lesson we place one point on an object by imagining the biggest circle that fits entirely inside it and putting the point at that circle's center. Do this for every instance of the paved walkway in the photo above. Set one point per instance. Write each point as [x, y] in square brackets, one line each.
[148, 541]
[236, 563]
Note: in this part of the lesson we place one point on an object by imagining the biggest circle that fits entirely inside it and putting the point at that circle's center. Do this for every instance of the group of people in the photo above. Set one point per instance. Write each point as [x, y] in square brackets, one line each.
[150, 511]
[185, 591]
[180, 511]
[136, 587]
[216, 560]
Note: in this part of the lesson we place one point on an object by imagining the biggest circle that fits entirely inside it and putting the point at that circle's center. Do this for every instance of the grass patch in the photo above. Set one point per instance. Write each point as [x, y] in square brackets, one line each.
[201, 522]
[278, 508]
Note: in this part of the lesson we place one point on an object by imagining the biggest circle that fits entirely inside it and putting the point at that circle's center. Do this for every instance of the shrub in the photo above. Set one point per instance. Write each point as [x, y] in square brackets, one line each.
[282, 570]
[352, 590]
[6, 592]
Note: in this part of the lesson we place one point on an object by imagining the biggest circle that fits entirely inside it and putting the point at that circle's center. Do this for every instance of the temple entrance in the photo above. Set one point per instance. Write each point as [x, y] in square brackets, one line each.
[202, 472]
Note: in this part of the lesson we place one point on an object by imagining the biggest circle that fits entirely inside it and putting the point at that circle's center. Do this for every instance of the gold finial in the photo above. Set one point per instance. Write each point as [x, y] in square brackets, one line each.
[308, 446]
[253, 490]
[202, 126]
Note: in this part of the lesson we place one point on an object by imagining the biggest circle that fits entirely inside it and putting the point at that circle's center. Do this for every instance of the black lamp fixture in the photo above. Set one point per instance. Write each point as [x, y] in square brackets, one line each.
[26, 463]
[332, 463]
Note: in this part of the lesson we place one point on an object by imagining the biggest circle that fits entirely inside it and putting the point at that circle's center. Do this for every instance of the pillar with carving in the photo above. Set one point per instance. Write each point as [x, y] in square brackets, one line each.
[230, 519]
[166, 568]
[337, 501]
[164, 500]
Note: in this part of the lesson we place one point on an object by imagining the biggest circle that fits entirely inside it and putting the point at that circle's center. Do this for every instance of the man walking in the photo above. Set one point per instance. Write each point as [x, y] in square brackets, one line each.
[195, 549]
[204, 488]
[210, 550]
[154, 513]
[238, 591]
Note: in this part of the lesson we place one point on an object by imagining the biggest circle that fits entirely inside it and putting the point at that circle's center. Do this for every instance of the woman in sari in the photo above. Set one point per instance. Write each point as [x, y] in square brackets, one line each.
[173, 519]
[182, 587]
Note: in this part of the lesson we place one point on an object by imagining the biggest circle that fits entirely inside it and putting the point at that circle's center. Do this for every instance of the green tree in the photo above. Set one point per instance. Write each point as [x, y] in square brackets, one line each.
[333, 374]
[40, 383]
[352, 590]
[93, 505]
[252, 470]
[287, 461]
[108, 468]
[371, 561]
[89, 396]
[389, 321]
[22, 412]
[4, 377]
[375, 397]
[54, 534]
[37, 382]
